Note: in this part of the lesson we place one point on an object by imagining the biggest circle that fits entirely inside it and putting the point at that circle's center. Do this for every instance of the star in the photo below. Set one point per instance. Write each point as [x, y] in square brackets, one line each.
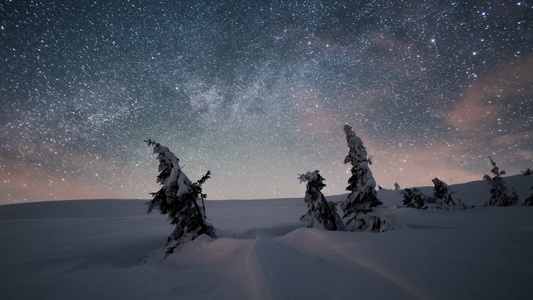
[258, 93]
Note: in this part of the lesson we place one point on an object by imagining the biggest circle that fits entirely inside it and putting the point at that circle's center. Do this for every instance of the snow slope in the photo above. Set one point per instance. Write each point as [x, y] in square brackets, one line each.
[97, 249]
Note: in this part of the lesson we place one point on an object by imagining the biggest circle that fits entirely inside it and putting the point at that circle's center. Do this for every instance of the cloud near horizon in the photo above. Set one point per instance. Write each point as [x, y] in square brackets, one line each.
[490, 103]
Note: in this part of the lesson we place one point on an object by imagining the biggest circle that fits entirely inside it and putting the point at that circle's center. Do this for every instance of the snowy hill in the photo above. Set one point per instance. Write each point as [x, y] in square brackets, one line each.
[96, 249]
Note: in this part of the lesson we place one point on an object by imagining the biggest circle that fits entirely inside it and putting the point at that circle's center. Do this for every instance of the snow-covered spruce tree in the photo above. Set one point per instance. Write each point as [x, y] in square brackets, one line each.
[443, 199]
[321, 213]
[362, 186]
[499, 195]
[413, 198]
[442, 192]
[180, 199]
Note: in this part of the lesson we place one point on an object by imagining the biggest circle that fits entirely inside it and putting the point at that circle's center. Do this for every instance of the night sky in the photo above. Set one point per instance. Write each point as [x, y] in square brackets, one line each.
[258, 92]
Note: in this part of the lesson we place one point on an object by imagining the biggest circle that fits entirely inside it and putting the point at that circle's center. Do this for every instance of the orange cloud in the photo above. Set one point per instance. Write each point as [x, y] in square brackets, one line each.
[525, 154]
[508, 140]
[416, 166]
[29, 182]
[488, 99]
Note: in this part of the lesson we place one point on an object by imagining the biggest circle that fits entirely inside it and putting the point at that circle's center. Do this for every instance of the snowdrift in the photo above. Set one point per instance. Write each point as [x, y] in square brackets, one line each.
[111, 249]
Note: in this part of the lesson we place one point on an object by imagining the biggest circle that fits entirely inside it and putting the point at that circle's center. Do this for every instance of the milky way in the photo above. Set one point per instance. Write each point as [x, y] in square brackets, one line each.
[258, 92]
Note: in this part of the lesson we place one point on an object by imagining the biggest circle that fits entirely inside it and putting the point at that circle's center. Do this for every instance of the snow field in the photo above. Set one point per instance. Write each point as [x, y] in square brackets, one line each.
[109, 249]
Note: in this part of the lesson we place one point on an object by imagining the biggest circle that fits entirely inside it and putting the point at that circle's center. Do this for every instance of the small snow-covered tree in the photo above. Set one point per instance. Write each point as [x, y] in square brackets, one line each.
[443, 199]
[413, 198]
[396, 186]
[442, 192]
[321, 213]
[362, 186]
[499, 195]
[180, 199]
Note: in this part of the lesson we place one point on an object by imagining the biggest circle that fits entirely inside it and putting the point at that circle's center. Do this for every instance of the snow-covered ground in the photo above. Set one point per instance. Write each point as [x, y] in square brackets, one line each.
[97, 249]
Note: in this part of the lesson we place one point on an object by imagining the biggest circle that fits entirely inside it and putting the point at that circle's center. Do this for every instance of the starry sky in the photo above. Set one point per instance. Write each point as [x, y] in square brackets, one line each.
[258, 92]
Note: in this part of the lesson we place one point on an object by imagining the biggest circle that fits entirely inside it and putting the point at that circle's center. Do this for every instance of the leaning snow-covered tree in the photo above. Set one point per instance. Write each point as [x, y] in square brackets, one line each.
[442, 192]
[320, 213]
[357, 208]
[180, 199]
[443, 197]
[499, 195]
